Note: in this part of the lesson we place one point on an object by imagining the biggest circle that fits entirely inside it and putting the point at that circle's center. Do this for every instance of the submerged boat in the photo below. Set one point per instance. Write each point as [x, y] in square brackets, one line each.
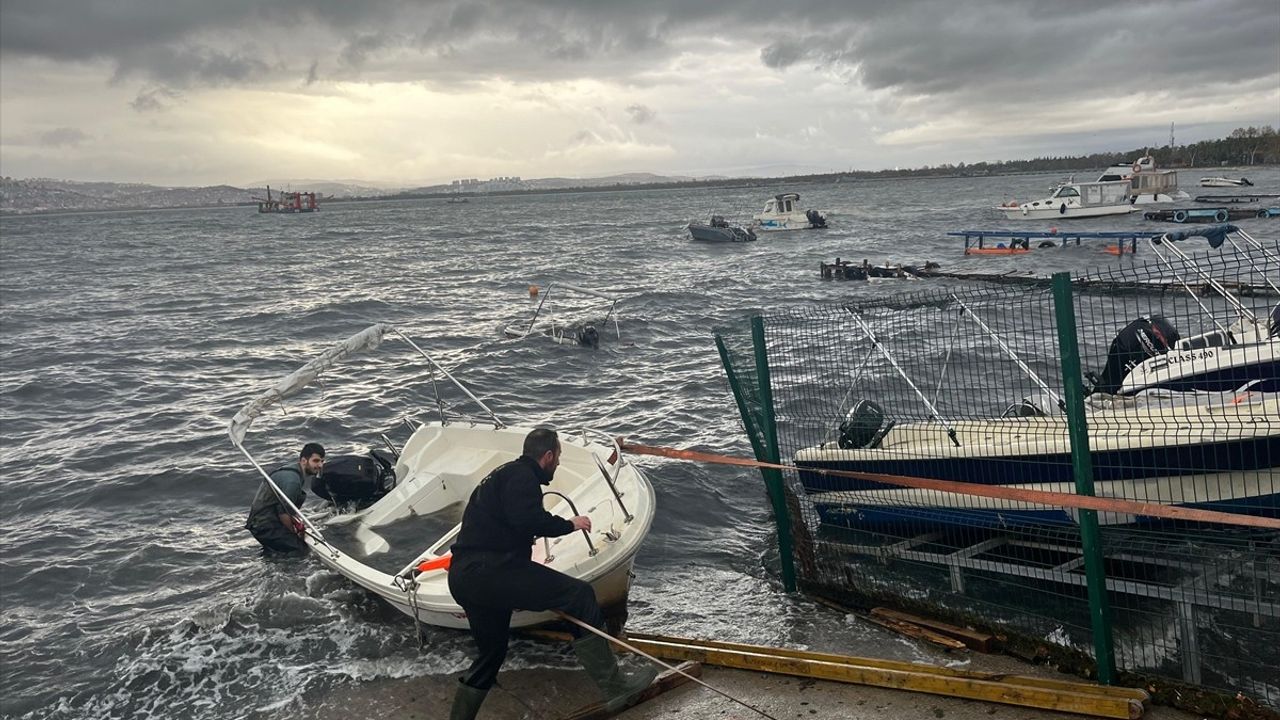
[782, 212]
[398, 547]
[719, 230]
[1150, 353]
[569, 315]
[1224, 182]
[1206, 451]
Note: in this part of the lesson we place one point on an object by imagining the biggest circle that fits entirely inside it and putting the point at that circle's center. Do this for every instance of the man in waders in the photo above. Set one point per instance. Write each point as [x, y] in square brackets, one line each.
[270, 520]
[491, 574]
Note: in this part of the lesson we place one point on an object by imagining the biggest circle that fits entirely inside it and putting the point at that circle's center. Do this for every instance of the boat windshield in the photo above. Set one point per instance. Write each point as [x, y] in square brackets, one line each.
[1067, 191]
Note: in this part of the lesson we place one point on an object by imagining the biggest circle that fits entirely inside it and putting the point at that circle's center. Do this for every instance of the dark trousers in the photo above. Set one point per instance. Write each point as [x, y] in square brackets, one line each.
[490, 587]
[274, 536]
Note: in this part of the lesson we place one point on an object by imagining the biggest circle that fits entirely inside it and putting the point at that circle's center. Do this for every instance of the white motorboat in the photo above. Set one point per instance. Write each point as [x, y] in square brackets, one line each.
[1075, 200]
[1147, 184]
[1224, 358]
[568, 315]
[1223, 182]
[398, 547]
[782, 212]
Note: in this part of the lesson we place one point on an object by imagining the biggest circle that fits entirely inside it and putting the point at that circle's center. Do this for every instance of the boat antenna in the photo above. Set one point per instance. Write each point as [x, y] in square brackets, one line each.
[966, 311]
[951, 432]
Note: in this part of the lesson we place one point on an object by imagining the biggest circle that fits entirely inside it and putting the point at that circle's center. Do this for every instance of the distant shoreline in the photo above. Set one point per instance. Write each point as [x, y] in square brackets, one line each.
[726, 183]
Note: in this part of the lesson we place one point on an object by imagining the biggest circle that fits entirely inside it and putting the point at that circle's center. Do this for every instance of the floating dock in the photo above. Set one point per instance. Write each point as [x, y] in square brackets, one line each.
[1209, 215]
[1017, 242]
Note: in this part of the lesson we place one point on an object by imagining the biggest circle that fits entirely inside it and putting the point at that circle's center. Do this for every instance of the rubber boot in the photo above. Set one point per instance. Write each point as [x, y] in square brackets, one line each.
[466, 702]
[619, 687]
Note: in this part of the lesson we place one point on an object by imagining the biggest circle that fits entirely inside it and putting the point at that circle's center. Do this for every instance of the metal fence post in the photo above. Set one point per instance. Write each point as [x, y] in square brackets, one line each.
[773, 478]
[1082, 469]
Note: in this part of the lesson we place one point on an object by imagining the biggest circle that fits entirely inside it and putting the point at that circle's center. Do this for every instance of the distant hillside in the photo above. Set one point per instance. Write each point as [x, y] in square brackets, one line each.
[328, 188]
[45, 195]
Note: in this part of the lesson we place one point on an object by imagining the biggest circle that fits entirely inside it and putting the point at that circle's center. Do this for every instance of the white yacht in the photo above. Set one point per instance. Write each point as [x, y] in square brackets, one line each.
[1075, 200]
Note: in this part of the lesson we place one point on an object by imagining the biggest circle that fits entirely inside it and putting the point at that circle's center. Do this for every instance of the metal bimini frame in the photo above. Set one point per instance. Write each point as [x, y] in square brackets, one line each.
[557, 331]
[966, 311]
[365, 340]
[1165, 245]
[934, 414]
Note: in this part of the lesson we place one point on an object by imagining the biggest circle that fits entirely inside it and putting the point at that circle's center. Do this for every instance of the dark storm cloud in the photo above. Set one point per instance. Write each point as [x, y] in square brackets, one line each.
[971, 51]
[63, 137]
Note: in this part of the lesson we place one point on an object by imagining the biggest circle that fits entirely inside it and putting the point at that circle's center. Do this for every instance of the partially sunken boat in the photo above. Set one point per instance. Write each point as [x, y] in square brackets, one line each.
[398, 547]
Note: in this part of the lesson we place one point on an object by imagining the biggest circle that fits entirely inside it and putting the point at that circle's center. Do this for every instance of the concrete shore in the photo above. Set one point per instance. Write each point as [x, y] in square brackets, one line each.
[546, 694]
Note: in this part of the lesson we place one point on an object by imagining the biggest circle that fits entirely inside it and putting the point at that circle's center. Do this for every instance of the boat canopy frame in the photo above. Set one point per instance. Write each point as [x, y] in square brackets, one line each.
[558, 331]
[294, 383]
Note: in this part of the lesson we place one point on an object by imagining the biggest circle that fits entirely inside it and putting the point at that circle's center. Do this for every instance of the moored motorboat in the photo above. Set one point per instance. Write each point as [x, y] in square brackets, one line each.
[719, 230]
[1213, 452]
[1225, 182]
[783, 212]
[397, 548]
[1147, 184]
[1075, 200]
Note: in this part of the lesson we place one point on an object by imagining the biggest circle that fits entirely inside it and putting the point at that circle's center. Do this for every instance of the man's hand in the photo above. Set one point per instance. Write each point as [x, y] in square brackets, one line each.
[581, 522]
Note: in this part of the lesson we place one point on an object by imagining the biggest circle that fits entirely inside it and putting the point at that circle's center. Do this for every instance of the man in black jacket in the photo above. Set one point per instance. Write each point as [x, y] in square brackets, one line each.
[492, 574]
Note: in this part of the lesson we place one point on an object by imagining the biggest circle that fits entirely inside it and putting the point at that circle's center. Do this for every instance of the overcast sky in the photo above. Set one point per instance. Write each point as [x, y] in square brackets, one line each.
[192, 92]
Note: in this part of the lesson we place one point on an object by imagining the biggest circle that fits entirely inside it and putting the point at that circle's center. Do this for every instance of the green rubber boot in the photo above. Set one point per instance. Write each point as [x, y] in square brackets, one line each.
[619, 687]
[466, 702]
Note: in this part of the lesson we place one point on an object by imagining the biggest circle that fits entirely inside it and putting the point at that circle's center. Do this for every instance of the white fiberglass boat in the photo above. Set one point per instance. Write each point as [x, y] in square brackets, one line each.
[782, 212]
[1075, 200]
[398, 547]
[1147, 185]
[1224, 182]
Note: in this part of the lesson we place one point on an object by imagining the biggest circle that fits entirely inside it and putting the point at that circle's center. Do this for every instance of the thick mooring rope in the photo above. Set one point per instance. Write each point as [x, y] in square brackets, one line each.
[632, 648]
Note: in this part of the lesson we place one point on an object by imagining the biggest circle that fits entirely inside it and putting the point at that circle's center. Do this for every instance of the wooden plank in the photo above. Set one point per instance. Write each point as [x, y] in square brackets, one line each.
[918, 680]
[917, 632]
[641, 641]
[667, 680]
[980, 641]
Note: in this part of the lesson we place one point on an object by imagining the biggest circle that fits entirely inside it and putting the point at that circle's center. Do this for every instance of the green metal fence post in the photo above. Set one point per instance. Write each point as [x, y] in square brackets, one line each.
[1082, 467]
[773, 478]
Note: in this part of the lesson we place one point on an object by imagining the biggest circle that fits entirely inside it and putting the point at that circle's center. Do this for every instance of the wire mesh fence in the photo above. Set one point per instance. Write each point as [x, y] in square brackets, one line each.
[1177, 395]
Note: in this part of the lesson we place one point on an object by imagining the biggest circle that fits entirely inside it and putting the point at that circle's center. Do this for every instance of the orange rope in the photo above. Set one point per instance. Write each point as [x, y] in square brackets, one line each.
[1001, 492]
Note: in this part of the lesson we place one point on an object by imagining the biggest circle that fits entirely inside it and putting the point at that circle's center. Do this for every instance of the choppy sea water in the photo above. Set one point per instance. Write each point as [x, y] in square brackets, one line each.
[130, 339]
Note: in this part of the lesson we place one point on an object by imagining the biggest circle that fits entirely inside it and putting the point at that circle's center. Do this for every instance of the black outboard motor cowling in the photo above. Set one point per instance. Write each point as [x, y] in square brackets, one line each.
[355, 478]
[589, 336]
[1141, 339]
[862, 426]
[815, 218]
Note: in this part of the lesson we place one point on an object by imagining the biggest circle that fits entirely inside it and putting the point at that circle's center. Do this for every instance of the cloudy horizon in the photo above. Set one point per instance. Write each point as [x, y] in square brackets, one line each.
[397, 92]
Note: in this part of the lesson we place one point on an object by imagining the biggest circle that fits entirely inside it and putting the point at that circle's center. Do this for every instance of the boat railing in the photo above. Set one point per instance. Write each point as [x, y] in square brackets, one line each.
[292, 384]
[558, 331]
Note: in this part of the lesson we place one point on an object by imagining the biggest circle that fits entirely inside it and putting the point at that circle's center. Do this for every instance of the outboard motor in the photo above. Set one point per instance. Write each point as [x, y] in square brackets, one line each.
[589, 336]
[718, 221]
[1139, 340]
[355, 478]
[815, 219]
[864, 426]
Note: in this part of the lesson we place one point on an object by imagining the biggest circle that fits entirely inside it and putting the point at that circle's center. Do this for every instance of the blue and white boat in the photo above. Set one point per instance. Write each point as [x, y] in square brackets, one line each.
[1217, 451]
[783, 212]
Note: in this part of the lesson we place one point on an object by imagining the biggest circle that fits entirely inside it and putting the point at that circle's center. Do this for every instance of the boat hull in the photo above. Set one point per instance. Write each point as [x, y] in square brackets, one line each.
[1063, 212]
[711, 233]
[437, 470]
[1185, 456]
[1211, 369]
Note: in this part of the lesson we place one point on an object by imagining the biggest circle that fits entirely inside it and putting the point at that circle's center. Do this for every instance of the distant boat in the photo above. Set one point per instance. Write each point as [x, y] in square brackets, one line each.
[783, 212]
[719, 230]
[288, 202]
[1075, 200]
[457, 201]
[1224, 182]
[1147, 184]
